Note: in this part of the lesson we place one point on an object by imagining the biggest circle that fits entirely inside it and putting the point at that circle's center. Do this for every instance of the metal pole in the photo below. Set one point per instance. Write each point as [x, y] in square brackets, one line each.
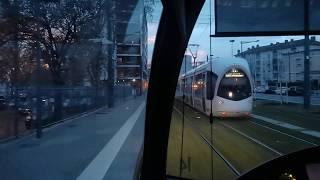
[281, 92]
[306, 73]
[110, 61]
[16, 70]
[255, 71]
[194, 56]
[183, 113]
[289, 68]
[38, 103]
[211, 115]
[278, 69]
[306, 57]
[246, 42]
[231, 41]
[232, 49]
[287, 92]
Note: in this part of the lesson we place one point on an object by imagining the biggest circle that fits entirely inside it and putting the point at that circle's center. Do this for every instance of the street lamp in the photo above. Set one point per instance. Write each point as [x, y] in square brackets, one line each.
[232, 41]
[194, 55]
[289, 53]
[246, 42]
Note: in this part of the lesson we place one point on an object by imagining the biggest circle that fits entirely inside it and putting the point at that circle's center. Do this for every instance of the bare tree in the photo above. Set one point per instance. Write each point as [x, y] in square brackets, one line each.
[50, 31]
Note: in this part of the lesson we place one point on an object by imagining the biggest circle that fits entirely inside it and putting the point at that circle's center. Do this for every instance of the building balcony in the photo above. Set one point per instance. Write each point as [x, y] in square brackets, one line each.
[133, 55]
[129, 78]
[128, 49]
[128, 44]
[128, 65]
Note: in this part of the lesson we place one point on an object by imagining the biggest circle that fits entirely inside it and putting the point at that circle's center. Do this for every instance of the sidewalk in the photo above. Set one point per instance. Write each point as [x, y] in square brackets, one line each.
[67, 150]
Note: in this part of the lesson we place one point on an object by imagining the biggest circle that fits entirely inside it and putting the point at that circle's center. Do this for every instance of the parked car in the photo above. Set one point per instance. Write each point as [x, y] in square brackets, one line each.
[3, 103]
[259, 89]
[295, 91]
[24, 108]
[270, 90]
[31, 115]
[282, 90]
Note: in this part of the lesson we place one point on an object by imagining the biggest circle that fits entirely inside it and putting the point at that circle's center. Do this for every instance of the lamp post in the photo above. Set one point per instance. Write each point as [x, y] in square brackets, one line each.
[289, 53]
[246, 42]
[134, 87]
[38, 114]
[232, 41]
[194, 55]
[241, 50]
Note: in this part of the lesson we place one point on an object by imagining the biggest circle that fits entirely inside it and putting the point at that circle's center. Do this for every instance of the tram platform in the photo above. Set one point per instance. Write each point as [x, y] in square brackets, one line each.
[103, 144]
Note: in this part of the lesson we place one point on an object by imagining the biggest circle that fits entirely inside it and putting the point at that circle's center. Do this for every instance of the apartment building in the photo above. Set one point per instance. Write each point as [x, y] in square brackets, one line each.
[283, 62]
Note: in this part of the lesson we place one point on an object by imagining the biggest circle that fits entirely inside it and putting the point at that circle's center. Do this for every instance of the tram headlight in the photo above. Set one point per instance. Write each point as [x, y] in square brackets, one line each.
[230, 94]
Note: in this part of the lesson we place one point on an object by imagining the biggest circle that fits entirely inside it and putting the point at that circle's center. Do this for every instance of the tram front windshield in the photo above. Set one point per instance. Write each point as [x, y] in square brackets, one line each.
[235, 85]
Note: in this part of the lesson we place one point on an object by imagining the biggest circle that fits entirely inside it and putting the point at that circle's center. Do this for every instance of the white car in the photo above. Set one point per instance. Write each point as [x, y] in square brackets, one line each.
[283, 90]
[259, 89]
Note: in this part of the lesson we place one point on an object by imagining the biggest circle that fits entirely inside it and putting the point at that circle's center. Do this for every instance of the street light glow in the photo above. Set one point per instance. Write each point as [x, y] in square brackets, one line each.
[46, 66]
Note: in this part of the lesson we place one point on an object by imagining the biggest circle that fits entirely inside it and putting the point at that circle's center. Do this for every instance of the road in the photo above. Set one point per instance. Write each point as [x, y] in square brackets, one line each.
[236, 144]
[315, 100]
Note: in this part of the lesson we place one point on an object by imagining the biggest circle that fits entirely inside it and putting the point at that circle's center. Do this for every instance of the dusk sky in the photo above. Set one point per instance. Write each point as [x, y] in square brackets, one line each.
[221, 47]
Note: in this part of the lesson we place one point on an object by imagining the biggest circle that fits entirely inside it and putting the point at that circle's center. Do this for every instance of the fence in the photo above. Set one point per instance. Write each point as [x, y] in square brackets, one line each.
[18, 113]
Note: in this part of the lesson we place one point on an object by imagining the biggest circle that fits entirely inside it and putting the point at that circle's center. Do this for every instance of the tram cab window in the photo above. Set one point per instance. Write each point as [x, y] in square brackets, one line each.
[211, 84]
[235, 85]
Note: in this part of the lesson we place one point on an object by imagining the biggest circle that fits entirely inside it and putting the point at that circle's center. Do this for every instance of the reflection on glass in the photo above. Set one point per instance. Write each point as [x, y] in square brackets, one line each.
[259, 16]
[61, 58]
[314, 15]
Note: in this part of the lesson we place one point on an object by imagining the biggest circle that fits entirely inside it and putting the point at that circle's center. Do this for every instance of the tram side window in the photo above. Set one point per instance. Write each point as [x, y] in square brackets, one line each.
[182, 85]
[198, 85]
[211, 84]
[179, 85]
[186, 85]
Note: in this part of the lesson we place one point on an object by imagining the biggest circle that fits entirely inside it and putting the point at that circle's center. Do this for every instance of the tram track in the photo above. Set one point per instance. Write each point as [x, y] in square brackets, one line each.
[264, 151]
[263, 125]
[252, 139]
[208, 142]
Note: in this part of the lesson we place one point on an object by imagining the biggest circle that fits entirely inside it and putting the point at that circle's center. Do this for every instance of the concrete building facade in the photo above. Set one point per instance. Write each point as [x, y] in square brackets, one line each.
[132, 49]
[283, 62]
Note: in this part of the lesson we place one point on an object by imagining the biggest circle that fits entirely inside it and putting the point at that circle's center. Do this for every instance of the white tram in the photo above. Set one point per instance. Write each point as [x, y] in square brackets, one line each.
[227, 81]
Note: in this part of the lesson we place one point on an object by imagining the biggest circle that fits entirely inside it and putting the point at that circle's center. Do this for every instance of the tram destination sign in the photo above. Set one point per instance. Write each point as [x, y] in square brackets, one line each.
[234, 75]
